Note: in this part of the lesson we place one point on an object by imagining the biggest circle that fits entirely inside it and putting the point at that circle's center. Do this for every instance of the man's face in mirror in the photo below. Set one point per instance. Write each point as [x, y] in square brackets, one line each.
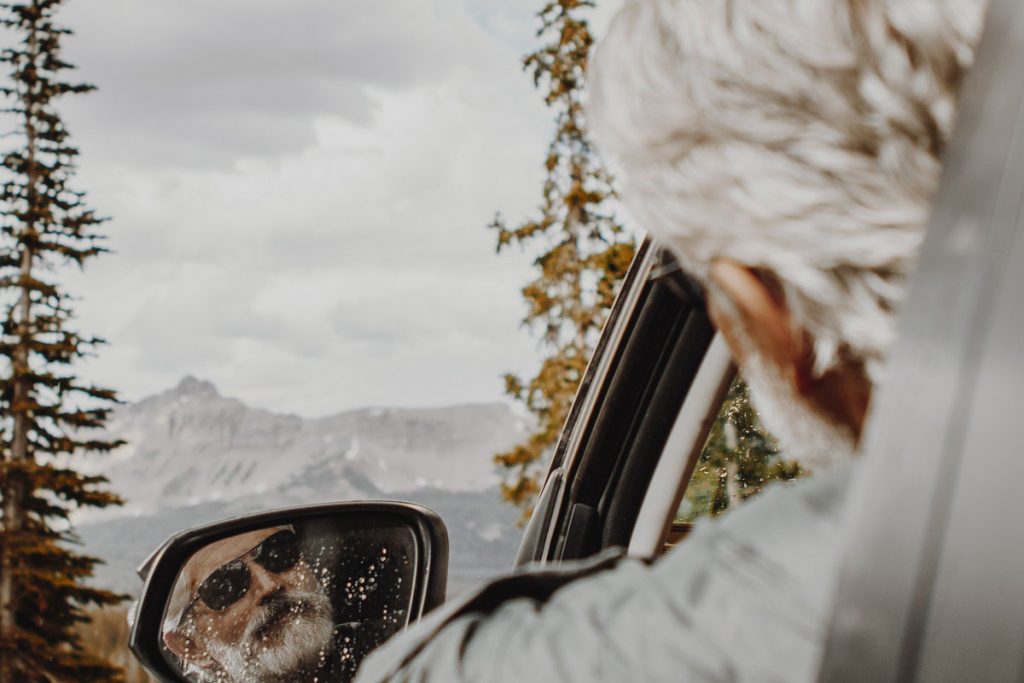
[251, 609]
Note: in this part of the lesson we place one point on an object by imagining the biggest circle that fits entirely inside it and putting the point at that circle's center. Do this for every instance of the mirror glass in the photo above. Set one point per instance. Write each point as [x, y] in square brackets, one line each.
[292, 602]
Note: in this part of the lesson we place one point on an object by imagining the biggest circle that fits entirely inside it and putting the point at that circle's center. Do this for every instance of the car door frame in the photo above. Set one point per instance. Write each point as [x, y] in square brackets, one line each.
[638, 423]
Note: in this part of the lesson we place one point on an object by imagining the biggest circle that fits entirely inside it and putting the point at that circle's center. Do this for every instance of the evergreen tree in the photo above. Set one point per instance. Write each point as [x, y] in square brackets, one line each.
[584, 251]
[45, 412]
[738, 460]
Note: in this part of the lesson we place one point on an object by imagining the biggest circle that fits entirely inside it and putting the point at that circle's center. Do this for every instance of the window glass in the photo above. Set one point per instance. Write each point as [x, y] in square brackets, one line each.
[739, 458]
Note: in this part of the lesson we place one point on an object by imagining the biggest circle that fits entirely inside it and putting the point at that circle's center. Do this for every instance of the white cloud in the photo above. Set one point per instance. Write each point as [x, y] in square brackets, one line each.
[196, 82]
[323, 252]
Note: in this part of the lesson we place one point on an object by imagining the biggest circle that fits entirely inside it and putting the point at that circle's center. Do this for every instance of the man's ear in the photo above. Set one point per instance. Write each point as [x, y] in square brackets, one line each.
[186, 649]
[765, 321]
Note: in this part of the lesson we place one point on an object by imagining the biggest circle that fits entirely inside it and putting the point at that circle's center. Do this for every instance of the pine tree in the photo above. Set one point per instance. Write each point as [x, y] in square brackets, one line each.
[739, 459]
[45, 412]
[584, 250]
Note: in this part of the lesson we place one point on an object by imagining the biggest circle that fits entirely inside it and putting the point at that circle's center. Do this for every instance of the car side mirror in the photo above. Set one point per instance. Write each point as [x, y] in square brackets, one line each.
[300, 594]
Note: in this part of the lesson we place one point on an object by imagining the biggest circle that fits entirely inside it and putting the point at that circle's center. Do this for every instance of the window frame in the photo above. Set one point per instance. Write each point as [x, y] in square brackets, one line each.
[650, 376]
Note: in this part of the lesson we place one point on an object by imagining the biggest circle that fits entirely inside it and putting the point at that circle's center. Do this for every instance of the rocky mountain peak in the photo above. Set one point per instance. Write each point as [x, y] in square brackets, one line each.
[193, 456]
[190, 386]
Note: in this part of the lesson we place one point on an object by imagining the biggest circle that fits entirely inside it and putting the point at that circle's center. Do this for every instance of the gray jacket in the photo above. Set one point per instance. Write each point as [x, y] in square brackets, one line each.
[745, 598]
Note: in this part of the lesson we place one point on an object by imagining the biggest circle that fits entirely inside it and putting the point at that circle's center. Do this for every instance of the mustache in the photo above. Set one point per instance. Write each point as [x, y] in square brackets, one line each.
[281, 604]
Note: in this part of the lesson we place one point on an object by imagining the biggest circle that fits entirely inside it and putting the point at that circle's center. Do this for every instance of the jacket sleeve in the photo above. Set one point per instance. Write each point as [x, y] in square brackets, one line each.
[745, 598]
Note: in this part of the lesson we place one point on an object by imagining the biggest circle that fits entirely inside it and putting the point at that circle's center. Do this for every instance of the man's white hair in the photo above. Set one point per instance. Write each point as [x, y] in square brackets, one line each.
[798, 137]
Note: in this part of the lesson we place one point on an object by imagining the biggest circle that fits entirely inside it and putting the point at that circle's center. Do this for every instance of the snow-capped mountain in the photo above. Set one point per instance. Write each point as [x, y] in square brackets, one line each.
[194, 456]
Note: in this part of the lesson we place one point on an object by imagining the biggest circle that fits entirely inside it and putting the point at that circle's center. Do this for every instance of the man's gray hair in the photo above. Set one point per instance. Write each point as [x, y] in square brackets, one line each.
[799, 137]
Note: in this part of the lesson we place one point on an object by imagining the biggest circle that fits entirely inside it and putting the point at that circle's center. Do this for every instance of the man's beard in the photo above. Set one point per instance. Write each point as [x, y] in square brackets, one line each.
[803, 433]
[290, 635]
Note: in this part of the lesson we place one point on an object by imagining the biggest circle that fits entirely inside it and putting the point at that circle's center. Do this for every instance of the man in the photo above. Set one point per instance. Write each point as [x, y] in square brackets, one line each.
[787, 151]
[249, 608]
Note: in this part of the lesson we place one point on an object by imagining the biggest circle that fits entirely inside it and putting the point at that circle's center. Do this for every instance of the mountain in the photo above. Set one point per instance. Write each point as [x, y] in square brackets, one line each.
[194, 456]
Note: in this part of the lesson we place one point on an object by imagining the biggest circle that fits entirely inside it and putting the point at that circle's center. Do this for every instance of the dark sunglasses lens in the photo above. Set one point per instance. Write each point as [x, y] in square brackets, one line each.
[226, 586]
[278, 553]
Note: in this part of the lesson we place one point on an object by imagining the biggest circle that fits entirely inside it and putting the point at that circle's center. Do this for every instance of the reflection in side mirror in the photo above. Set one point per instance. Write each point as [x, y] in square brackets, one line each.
[298, 595]
[299, 602]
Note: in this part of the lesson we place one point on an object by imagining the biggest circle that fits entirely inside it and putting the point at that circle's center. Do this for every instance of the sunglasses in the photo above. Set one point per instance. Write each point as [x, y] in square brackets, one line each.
[227, 584]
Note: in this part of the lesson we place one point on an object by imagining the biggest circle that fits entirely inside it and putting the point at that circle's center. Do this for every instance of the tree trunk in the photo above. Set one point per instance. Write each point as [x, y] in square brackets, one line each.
[14, 488]
[732, 484]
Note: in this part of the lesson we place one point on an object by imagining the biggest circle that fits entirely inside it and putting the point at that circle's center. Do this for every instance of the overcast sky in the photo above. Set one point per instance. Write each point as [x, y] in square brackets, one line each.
[299, 192]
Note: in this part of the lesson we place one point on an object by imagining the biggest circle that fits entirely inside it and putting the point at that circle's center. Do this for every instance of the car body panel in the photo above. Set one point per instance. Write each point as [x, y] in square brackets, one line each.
[931, 588]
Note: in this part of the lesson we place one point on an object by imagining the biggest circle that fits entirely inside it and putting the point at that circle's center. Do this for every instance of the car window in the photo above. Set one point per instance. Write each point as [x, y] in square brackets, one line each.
[740, 457]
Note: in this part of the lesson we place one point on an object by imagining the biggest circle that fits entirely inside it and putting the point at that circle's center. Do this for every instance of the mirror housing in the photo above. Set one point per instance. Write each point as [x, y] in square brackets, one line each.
[428, 574]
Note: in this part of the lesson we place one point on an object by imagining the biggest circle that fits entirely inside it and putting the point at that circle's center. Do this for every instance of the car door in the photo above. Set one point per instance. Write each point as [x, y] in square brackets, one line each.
[638, 422]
